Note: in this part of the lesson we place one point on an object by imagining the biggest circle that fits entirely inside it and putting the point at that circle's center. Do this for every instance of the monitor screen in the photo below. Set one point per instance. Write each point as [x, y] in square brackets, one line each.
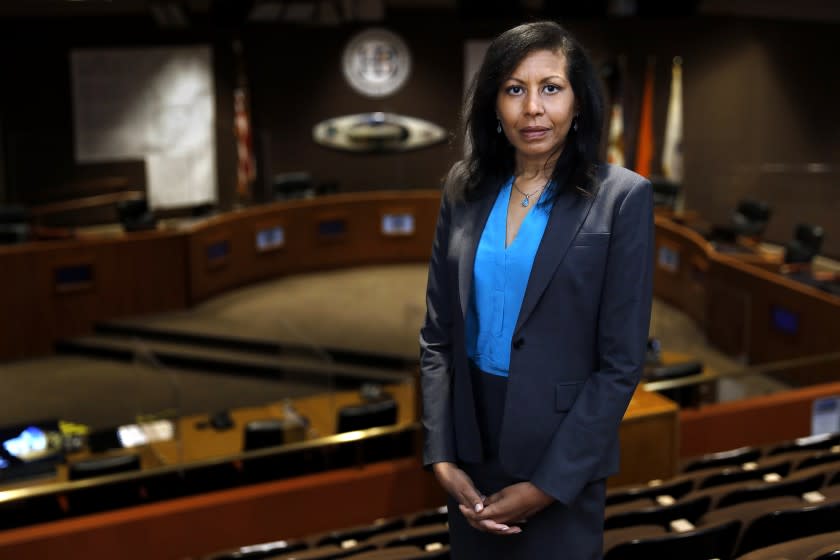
[398, 224]
[218, 251]
[332, 228]
[271, 238]
[784, 320]
[30, 449]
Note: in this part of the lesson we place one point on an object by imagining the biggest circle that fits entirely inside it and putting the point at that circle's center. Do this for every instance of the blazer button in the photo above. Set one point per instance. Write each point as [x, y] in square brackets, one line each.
[517, 344]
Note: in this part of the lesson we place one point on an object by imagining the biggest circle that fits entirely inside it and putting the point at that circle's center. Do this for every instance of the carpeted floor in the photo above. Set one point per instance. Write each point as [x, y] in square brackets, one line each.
[377, 309]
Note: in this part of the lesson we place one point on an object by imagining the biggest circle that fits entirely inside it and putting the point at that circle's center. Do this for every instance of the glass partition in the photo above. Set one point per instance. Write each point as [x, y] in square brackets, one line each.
[691, 384]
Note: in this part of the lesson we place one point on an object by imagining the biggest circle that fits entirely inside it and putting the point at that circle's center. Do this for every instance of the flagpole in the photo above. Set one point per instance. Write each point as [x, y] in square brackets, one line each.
[672, 151]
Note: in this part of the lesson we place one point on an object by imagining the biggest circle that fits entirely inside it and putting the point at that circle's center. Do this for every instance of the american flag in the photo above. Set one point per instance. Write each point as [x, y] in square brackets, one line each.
[246, 168]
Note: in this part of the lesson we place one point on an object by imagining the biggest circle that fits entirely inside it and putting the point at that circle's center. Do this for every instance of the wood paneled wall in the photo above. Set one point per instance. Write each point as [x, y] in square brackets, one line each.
[759, 104]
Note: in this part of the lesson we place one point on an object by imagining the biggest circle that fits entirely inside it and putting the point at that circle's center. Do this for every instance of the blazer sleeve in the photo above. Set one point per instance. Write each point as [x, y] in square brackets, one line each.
[436, 350]
[580, 443]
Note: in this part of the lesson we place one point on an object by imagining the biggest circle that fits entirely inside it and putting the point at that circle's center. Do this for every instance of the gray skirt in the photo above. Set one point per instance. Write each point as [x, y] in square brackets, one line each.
[573, 532]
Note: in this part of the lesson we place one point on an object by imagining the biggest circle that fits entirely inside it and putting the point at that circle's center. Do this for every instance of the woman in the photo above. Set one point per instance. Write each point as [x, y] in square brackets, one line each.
[538, 306]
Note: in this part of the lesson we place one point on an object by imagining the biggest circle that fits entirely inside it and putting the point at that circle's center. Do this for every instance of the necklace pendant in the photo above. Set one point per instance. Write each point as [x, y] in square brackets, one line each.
[525, 202]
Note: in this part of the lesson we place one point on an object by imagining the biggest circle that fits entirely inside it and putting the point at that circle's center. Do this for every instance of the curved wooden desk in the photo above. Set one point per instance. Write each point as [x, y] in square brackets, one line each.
[746, 307]
[60, 289]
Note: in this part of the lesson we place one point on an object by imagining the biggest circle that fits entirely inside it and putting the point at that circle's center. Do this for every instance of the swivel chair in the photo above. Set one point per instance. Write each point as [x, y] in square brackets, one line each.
[750, 218]
[806, 244]
[287, 186]
[14, 226]
[665, 193]
[135, 215]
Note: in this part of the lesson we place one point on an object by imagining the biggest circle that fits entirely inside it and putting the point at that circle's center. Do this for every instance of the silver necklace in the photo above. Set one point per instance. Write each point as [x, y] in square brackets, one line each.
[526, 200]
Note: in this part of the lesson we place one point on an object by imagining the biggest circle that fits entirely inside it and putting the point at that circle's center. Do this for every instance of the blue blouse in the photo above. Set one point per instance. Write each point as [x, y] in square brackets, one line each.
[500, 276]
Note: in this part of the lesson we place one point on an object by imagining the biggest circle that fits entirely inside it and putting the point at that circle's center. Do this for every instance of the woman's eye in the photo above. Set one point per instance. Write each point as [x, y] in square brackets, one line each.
[551, 88]
[514, 90]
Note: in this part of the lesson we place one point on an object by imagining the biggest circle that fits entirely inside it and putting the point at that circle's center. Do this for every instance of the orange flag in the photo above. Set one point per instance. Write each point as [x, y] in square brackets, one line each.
[644, 142]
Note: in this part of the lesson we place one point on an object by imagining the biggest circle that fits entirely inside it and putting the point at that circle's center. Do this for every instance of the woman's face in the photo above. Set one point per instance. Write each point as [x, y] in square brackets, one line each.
[536, 105]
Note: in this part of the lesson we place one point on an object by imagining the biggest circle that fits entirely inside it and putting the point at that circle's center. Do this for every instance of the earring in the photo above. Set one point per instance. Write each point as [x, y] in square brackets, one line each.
[575, 125]
[499, 127]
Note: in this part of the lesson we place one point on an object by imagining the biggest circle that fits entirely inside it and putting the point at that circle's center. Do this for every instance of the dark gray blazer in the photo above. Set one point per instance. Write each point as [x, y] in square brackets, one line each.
[578, 347]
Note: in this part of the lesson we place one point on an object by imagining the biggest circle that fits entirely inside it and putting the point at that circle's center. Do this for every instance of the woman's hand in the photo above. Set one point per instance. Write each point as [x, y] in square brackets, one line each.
[460, 486]
[513, 504]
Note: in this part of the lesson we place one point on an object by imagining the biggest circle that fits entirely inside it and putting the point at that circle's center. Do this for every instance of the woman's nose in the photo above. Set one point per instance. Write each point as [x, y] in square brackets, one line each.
[533, 104]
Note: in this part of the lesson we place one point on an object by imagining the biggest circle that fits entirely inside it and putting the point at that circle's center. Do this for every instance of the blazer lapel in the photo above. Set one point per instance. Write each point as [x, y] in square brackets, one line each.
[567, 215]
[475, 216]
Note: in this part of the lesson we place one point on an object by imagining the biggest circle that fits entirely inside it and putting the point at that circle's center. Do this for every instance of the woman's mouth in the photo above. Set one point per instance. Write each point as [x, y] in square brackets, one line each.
[533, 132]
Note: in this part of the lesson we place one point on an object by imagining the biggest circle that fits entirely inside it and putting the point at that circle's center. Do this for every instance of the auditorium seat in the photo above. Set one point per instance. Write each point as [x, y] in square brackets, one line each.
[260, 551]
[360, 533]
[747, 512]
[791, 486]
[420, 537]
[743, 473]
[326, 552]
[626, 507]
[676, 490]
[793, 457]
[820, 458]
[429, 517]
[615, 537]
[403, 553]
[789, 524]
[809, 548]
[691, 510]
[698, 544]
[731, 457]
[818, 442]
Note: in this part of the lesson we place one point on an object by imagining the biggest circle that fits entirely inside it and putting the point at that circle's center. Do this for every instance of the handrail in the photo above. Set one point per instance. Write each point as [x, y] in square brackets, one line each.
[327, 441]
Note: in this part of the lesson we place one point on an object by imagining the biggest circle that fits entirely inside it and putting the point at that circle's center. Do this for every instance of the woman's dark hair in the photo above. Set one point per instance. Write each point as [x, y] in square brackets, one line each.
[489, 157]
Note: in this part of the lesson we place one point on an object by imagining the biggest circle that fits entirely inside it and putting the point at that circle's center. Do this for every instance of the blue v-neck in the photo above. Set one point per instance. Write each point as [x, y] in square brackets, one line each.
[500, 276]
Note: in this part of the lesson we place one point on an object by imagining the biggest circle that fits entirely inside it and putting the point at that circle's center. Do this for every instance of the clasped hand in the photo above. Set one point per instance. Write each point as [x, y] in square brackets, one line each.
[502, 513]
